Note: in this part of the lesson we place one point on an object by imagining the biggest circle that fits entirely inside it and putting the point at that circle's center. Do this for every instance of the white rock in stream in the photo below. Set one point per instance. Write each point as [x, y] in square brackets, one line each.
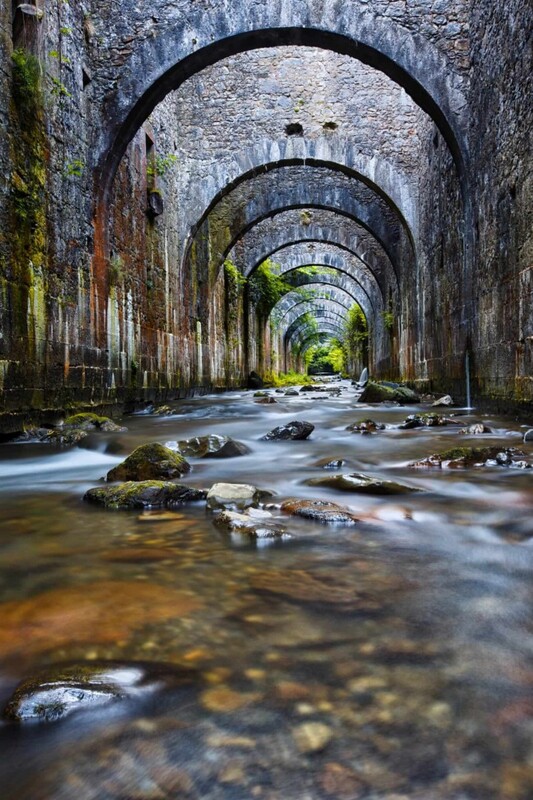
[227, 494]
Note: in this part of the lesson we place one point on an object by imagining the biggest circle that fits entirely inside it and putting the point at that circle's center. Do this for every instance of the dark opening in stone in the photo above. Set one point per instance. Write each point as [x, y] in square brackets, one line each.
[294, 129]
[330, 126]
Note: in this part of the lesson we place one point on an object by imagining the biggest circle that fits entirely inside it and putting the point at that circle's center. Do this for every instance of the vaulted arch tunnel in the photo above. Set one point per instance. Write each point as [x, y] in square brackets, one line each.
[264, 585]
[200, 148]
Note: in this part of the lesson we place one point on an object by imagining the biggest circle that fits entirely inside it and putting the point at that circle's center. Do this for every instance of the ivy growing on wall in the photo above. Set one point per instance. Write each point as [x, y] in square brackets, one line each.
[267, 287]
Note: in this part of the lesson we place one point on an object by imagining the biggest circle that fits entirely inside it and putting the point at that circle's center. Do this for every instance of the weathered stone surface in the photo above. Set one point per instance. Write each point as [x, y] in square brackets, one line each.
[426, 421]
[91, 422]
[211, 446]
[328, 463]
[255, 524]
[475, 429]
[144, 494]
[65, 437]
[528, 436]
[61, 690]
[394, 393]
[150, 462]
[319, 511]
[462, 457]
[234, 495]
[294, 430]
[446, 400]
[362, 484]
[366, 426]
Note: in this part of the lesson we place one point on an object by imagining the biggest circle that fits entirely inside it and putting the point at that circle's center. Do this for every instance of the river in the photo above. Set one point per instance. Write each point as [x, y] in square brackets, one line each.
[392, 659]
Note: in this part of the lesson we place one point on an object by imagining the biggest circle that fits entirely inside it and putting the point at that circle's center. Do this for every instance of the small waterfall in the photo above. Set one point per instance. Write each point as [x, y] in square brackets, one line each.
[467, 375]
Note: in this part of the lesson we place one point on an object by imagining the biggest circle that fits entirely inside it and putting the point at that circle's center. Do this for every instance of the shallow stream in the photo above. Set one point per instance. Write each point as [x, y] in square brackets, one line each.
[393, 659]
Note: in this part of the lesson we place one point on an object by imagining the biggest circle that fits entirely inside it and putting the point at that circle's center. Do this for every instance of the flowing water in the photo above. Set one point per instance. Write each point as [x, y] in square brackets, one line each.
[392, 659]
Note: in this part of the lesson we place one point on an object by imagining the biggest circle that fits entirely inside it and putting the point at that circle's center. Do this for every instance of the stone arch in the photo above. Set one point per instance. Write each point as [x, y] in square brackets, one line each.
[392, 189]
[326, 186]
[185, 45]
[332, 256]
[339, 280]
[273, 234]
[294, 300]
[326, 313]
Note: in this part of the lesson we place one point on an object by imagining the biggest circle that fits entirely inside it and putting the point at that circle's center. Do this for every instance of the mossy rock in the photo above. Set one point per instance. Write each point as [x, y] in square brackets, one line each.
[91, 422]
[65, 437]
[393, 393]
[150, 462]
[463, 457]
[144, 494]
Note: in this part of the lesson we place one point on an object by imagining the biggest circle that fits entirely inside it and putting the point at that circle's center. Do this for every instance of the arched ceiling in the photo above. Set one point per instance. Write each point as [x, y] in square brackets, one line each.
[285, 228]
[304, 187]
[290, 136]
[182, 44]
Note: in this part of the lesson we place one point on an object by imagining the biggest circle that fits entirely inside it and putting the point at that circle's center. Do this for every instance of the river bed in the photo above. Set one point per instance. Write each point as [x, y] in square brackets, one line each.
[389, 660]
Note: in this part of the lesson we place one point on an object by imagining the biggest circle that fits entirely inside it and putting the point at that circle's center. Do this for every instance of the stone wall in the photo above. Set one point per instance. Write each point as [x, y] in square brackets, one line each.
[106, 301]
[502, 150]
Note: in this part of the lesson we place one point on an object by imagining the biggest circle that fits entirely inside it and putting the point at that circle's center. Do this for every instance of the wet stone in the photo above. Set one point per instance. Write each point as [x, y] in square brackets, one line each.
[92, 422]
[60, 690]
[212, 446]
[150, 462]
[446, 400]
[65, 437]
[366, 426]
[234, 495]
[339, 781]
[362, 484]
[265, 401]
[72, 615]
[326, 463]
[464, 457]
[425, 421]
[256, 524]
[476, 429]
[312, 737]
[528, 436]
[144, 494]
[388, 392]
[294, 430]
[322, 511]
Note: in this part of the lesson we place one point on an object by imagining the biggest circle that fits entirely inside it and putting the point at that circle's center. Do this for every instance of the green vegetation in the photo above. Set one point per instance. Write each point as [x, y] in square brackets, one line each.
[235, 282]
[388, 320]
[26, 84]
[339, 354]
[28, 156]
[284, 379]
[327, 357]
[160, 165]
[315, 270]
[74, 168]
[355, 334]
[267, 287]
